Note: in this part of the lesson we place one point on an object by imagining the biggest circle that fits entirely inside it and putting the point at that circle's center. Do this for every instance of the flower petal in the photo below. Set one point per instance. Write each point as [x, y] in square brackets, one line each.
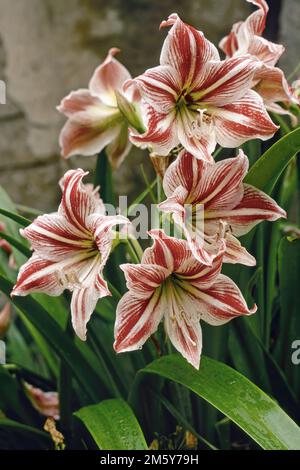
[184, 172]
[161, 134]
[182, 324]
[54, 238]
[40, 275]
[266, 51]
[168, 252]
[199, 140]
[82, 106]
[159, 87]
[89, 138]
[273, 86]
[186, 49]
[84, 301]
[254, 207]
[236, 253]
[198, 274]
[221, 302]
[225, 81]
[243, 120]
[78, 201]
[137, 319]
[143, 279]
[108, 77]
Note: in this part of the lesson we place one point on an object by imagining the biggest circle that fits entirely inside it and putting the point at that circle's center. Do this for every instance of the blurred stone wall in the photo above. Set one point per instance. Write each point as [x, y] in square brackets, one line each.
[50, 47]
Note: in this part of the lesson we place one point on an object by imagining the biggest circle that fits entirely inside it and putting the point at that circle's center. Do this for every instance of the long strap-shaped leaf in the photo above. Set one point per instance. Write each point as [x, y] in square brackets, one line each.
[113, 425]
[231, 393]
[267, 169]
[57, 339]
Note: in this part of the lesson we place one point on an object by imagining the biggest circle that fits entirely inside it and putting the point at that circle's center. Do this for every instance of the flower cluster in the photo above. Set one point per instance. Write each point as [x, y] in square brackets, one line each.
[182, 108]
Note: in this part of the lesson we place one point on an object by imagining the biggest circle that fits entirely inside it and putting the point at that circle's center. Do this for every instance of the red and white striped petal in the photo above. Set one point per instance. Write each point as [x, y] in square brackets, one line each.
[198, 139]
[216, 186]
[276, 108]
[273, 86]
[84, 301]
[142, 279]
[221, 302]
[266, 51]
[160, 87]
[166, 251]
[199, 274]
[108, 77]
[89, 138]
[236, 253]
[182, 325]
[255, 207]
[174, 204]
[137, 319]
[245, 37]
[243, 120]
[78, 201]
[230, 44]
[81, 106]
[185, 171]
[40, 275]
[186, 49]
[220, 186]
[225, 81]
[161, 135]
[190, 221]
[256, 22]
[54, 238]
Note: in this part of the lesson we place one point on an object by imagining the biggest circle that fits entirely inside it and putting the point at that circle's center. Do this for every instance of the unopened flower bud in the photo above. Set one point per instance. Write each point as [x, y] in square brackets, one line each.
[5, 316]
[129, 112]
[160, 163]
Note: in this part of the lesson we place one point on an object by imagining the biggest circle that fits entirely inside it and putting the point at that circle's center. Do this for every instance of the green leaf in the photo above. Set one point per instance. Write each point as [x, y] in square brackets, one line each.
[16, 217]
[10, 425]
[266, 171]
[12, 227]
[103, 178]
[289, 326]
[113, 425]
[60, 343]
[232, 394]
[183, 421]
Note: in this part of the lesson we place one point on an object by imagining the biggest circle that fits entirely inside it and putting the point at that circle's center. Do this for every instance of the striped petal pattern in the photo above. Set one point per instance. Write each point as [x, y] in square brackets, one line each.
[170, 285]
[269, 81]
[196, 100]
[71, 248]
[229, 208]
[94, 118]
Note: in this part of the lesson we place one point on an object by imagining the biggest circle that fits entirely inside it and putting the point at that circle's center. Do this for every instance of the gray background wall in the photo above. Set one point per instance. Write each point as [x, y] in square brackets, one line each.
[49, 47]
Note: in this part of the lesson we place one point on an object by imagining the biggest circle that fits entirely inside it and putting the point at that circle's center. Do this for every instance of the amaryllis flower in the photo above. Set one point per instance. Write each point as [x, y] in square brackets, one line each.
[95, 120]
[71, 248]
[216, 193]
[171, 285]
[269, 81]
[46, 403]
[196, 100]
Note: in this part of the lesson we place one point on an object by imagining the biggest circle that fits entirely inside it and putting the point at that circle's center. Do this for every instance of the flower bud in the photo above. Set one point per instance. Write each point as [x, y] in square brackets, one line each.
[160, 163]
[5, 316]
[129, 112]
